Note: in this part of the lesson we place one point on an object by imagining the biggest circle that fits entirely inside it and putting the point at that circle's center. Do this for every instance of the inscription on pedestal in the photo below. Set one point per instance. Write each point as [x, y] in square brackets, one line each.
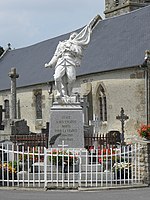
[66, 129]
[69, 124]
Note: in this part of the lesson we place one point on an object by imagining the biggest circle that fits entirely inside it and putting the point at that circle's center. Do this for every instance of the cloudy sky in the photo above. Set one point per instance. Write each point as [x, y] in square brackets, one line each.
[26, 22]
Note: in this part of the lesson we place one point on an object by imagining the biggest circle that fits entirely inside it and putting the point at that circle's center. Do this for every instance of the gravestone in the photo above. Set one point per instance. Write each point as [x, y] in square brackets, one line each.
[66, 124]
[19, 127]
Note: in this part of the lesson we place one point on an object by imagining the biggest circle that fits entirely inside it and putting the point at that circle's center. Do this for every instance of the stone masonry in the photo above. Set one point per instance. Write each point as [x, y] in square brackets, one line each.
[145, 162]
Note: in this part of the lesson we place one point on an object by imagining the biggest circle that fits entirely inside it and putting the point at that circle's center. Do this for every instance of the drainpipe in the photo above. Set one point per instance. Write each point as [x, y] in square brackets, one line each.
[147, 56]
[146, 67]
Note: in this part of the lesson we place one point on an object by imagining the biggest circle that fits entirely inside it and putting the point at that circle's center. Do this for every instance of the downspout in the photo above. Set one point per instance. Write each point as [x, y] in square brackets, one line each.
[147, 56]
[146, 67]
[147, 94]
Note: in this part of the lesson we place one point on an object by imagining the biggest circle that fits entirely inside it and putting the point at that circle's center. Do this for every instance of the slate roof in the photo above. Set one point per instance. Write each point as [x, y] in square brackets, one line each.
[116, 43]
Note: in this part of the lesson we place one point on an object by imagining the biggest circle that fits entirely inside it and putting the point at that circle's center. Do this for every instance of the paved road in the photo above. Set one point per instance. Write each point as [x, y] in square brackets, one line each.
[130, 194]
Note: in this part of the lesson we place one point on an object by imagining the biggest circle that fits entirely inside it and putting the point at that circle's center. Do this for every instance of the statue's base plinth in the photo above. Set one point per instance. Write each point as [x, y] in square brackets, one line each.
[66, 124]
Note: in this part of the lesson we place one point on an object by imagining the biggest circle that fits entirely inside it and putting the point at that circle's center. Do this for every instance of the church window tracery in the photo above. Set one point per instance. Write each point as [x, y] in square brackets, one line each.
[102, 104]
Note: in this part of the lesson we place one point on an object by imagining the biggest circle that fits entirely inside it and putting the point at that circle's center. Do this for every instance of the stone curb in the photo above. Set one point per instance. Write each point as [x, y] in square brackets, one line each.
[21, 188]
[77, 189]
[115, 188]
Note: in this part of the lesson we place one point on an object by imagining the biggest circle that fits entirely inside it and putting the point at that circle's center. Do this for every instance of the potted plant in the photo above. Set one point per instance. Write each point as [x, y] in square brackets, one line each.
[64, 160]
[122, 170]
[106, 157]
[144, 131]
[9, 171]
[60, 157]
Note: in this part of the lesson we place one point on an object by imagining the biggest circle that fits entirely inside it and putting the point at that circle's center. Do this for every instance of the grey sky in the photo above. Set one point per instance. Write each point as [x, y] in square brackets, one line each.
[26, 22]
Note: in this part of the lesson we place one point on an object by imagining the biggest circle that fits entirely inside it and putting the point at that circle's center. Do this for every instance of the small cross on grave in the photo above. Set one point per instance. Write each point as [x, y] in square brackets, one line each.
[63, 145]
[1, 117]
[95, 122]
[122, 117]
[85, 105]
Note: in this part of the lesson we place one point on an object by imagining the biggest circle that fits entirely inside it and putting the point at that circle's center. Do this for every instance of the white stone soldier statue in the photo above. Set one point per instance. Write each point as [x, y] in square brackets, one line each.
[67, 57]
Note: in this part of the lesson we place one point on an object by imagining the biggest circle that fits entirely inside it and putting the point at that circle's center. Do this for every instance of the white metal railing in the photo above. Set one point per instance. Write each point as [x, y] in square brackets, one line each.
[41, 167]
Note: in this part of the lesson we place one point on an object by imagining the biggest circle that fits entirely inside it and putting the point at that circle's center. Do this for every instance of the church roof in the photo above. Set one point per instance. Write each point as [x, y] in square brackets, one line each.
[116, 43]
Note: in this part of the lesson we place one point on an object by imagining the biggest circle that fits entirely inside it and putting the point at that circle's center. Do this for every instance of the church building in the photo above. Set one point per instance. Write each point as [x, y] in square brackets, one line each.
[111, 77]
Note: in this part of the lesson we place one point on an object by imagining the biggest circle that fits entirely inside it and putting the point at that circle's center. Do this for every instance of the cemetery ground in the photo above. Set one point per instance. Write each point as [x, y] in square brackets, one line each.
[123, 194]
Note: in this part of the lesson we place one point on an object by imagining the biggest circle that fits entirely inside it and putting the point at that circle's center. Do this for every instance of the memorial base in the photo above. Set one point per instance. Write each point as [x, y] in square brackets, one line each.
[66, 125]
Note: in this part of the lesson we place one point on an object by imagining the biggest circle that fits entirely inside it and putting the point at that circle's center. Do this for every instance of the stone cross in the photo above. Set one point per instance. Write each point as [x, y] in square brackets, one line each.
[1, 117]
[95, 122]
[85, 105]
[13, 75]
[122, 118]
[63, 145]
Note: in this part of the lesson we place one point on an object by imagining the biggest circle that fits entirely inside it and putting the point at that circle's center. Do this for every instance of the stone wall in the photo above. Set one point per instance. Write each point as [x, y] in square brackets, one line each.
[124, 88]
[145, 162]
[115, 7]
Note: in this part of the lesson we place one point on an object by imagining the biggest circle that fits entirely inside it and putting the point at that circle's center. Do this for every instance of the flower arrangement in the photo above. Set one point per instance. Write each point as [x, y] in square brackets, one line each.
[106, 153]
[121, 165]
[8, 167]
[34, 157]
[62, 157]
[144, 131]
[103, 154]
[122, 170]
[22, 157]
[8, 170]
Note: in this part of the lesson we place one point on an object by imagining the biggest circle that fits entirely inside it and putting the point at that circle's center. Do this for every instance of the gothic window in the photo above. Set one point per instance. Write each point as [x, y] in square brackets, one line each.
[102, 104]
[38, 103]
[6, 107]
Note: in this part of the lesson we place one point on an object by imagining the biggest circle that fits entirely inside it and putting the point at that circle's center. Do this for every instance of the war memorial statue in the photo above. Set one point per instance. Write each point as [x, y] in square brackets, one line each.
[66, 125]
[67, 57]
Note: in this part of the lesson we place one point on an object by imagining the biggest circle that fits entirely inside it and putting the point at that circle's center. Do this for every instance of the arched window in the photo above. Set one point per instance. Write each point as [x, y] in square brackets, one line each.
[6, 106]
[102, 104]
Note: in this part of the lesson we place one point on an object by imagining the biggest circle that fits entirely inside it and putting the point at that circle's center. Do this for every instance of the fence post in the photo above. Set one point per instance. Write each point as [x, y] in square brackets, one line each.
[45, 168]
[80, 163]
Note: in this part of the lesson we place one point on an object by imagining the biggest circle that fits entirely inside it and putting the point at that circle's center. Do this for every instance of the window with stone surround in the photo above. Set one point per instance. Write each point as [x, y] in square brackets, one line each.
[38, 103]
[7, 108]
[102, 104]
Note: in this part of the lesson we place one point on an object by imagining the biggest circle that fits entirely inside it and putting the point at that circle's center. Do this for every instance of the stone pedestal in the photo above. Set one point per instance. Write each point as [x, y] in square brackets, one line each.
[66, 124]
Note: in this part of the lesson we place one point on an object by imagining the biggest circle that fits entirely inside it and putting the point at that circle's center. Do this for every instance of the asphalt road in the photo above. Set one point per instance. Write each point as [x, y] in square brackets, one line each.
[123, 194]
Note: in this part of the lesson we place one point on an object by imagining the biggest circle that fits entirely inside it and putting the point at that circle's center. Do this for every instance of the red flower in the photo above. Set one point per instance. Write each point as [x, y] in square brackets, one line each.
[144, 130]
